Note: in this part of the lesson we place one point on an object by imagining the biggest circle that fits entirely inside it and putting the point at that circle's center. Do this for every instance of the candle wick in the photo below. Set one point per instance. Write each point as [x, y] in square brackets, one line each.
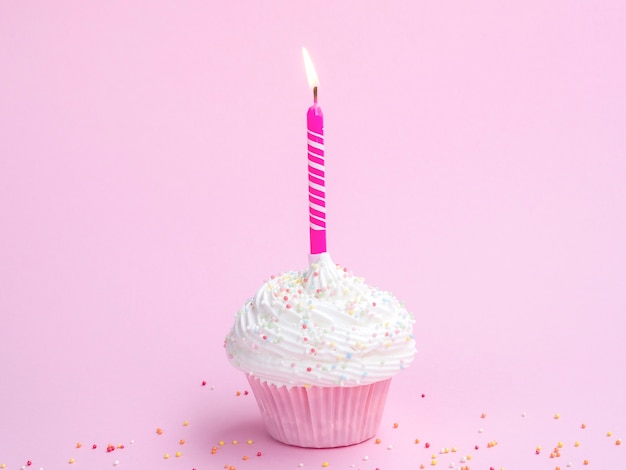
[315, 94]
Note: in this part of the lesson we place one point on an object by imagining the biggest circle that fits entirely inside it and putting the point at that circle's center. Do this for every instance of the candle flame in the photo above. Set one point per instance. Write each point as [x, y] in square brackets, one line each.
[311, 74]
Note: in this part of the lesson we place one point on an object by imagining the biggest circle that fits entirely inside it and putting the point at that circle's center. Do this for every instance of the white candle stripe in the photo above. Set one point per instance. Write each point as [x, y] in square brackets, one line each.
[321, 136]
[316, 165]
[316, 145]
[314, 156]
[316, 176]
[317, 186]
[317, 226]
[316, 207]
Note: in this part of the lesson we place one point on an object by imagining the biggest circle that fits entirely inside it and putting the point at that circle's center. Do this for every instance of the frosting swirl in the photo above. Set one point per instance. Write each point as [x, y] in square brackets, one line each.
[323, 327]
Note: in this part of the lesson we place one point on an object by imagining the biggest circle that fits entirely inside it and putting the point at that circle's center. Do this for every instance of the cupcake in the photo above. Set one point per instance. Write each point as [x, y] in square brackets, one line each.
[319, 348]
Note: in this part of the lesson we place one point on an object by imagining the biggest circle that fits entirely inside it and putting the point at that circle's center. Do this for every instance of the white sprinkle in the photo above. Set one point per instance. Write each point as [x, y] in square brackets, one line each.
[300, 465]
[451, 465]
[116, 463]
[389, 447]
[523, 414]
[212, 387]
[569, 464]
[480, 430]
[366, 458]
[463, 460]
[132, 441]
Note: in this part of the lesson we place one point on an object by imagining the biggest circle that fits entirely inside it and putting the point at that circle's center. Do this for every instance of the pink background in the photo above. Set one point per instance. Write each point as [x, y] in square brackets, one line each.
[153, 174]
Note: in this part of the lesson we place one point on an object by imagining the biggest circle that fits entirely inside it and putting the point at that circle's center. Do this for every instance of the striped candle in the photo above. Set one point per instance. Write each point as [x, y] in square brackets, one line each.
[315, 150]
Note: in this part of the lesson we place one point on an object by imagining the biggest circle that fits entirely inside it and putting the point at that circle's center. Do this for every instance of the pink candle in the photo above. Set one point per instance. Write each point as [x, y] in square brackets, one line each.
[315, 150]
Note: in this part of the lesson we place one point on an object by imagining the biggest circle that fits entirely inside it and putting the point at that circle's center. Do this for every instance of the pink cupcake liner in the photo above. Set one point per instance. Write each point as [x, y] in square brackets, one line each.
[321, 416]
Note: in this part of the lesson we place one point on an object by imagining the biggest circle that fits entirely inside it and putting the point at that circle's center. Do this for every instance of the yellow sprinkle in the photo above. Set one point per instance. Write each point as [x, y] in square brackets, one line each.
[560, 444]
[235, 442]
[454, 449]
[557, 416]
[325, 464]
[576, 444]
[433, 462]
[609, 434]
[185, 423]
[3, 465]
[221, 443]
[179, 453]
[249, 441]
[166, 456]
[72, 460]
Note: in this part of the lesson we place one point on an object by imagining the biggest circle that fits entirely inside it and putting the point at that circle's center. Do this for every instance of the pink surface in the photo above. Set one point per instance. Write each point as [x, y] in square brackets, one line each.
[476, 168]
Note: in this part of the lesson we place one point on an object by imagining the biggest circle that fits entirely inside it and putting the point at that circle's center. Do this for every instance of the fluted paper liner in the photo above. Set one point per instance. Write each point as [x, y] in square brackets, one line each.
[321, 416]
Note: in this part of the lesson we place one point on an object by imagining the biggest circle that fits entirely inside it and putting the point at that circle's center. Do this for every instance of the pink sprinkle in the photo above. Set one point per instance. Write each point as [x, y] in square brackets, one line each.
[203, 384]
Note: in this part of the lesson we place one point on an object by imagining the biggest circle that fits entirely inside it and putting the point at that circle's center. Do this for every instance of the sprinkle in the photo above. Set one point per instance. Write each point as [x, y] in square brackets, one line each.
[609, 434]
[204, 383]
[481, 430]
[78, 445]
[325, 464]
[483, 415]
[185, 423]
[259, 454]
[179, 453]
[235, 442]
[618, 442]
[427, 445]
[94, 446]
[29, 463]
[116, 462]
[395, 425]
[389, 447]
[181, 442]
[417, 441]
[583, 426]
[214, 450]
[557, 416]
[365, 458]
[433, 462]
[523, 414]
[159, 431]
[576, 444]
[245, 457]
[377, 440]
[560, 445]
[166, 456]
[249, 441]
[585, 462]
[71, 460]
[221, 443]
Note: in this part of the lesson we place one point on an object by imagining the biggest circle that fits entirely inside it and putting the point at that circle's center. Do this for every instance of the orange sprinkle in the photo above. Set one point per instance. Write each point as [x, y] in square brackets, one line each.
[618, 442]
[377, 441]
[181, 442]
[395, 425]
[245, 457]
[417, 441]
[159, 431]
[583, 426]
[483, 415]
[238, 393]
[585, 462]
[78, 445]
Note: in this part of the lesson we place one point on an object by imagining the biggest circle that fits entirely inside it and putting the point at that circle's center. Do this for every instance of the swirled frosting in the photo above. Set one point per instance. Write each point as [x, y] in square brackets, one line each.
[323, 327]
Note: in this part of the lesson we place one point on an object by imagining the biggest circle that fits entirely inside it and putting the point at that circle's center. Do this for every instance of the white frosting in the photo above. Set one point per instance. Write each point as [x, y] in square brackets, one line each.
[321, 327]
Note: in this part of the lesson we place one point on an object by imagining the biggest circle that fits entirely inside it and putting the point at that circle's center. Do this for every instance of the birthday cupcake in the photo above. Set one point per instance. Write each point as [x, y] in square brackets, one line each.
[319, 348]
